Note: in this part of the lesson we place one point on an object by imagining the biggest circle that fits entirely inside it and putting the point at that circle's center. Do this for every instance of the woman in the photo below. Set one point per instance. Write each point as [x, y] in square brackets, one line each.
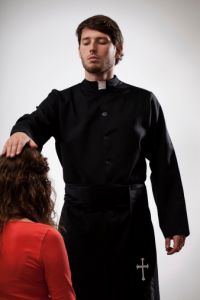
[33, 258]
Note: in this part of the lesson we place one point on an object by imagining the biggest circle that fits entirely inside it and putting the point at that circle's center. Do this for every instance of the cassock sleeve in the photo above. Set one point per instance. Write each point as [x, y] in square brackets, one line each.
[40, 125]
[165, 176]
[56, 267]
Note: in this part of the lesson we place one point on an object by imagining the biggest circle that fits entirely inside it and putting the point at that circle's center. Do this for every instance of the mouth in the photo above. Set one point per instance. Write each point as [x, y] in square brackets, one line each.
[93, 58]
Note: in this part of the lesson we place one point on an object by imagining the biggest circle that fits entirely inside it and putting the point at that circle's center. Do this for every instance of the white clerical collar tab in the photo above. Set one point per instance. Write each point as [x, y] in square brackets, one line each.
[101, 85]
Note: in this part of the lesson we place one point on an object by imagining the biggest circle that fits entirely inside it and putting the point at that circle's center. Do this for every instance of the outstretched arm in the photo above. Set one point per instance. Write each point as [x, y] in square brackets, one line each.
[35, 128]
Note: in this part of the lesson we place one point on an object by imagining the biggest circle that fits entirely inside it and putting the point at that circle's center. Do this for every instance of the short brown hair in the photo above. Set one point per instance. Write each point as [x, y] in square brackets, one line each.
[103, 24]
[25, 190]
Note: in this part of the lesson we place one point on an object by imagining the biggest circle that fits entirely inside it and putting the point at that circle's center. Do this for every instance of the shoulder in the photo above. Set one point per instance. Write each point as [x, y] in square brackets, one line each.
[67, 91]
[145, 99]
[44, 230]
[137, 92]
[57, 98]
[148, 95]
[47, 235]
[134, 88]
[51, 233]
[53, 241]
[140, 95]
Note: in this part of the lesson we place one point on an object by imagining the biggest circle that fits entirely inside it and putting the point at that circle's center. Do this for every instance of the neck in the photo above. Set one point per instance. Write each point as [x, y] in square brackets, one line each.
[99, 76]
[25, 220]
[22, 219]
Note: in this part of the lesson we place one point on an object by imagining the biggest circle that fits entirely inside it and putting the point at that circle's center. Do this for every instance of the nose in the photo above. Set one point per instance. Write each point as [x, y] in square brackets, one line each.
[92, 47]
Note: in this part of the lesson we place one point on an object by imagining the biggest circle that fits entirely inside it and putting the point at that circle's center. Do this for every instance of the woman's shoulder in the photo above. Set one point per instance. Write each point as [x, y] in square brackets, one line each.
[45, 229]
[32, 228]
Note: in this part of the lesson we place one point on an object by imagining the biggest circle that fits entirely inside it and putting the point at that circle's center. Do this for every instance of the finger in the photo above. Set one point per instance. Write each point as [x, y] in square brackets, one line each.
[178, 243]
[179, 240]
[8, 147]
[167, 243]
[3, 152]
[16, 146]
[174, 250]
[20, 146]
[13, 149]
[32, 144]
[171, 251]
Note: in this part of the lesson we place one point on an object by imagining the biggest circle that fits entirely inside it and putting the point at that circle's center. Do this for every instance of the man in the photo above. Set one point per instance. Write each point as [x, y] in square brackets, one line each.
[104, 131]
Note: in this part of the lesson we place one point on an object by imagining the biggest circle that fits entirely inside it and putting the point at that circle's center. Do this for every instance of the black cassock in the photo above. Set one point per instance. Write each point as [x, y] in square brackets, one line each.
[104, 132]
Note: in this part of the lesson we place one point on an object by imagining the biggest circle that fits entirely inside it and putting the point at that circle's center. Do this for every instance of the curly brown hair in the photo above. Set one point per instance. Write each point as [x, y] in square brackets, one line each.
[25, 190]
[106, 25]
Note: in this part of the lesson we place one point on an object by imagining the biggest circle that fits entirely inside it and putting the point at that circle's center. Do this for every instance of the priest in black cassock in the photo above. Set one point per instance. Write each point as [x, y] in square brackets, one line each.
[105, 130]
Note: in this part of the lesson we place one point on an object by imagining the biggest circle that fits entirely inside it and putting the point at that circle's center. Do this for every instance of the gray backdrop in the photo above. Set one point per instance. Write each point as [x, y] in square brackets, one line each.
[38, 52]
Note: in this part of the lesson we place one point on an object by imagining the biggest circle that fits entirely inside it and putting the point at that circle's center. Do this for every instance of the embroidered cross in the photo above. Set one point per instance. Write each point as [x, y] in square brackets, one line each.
[142, 267]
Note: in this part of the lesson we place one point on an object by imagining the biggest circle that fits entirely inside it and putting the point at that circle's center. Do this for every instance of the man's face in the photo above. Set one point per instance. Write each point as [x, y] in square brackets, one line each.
[97, 52]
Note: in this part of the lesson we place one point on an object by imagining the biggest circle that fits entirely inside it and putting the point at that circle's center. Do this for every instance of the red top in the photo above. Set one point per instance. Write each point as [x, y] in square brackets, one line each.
[33, 263]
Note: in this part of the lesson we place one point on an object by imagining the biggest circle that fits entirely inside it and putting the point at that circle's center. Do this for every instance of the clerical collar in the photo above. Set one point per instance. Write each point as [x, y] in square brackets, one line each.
[101, 85]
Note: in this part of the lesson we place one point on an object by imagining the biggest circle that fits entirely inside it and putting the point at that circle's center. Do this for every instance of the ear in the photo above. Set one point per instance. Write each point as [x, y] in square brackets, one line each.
[79, 52]
[119, 51]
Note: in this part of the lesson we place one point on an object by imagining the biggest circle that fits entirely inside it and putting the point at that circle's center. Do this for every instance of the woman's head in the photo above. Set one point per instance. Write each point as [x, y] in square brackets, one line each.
[25, 190]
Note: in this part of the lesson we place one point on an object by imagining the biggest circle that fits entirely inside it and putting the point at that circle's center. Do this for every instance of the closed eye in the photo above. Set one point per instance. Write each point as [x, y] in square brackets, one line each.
[102, 41]
[85, 42]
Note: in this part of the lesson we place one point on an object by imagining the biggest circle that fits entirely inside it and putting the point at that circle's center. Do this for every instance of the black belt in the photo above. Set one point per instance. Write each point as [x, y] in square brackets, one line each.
[101, 195]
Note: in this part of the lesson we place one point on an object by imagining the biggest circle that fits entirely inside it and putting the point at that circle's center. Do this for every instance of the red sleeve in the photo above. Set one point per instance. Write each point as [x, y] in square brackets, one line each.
[56, 266]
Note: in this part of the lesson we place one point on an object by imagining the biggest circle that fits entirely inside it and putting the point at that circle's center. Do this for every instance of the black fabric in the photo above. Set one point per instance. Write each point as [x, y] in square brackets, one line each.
[114, 232]
[103, 138]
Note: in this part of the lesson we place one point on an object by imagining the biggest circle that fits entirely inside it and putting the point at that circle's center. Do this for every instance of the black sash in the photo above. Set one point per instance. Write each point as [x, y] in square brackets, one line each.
[104, 196]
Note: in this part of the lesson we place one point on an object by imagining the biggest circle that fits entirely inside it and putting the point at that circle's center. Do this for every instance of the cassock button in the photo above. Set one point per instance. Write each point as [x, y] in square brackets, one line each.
[104, 114]
[111, 213]
[108, 163]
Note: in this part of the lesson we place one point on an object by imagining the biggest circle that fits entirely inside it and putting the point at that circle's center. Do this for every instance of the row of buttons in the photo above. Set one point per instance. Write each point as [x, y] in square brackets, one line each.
[106, 137]
[105, 114]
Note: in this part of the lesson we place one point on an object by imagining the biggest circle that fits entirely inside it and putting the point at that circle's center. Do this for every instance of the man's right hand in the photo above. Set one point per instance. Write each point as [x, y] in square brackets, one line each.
[15, 144]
